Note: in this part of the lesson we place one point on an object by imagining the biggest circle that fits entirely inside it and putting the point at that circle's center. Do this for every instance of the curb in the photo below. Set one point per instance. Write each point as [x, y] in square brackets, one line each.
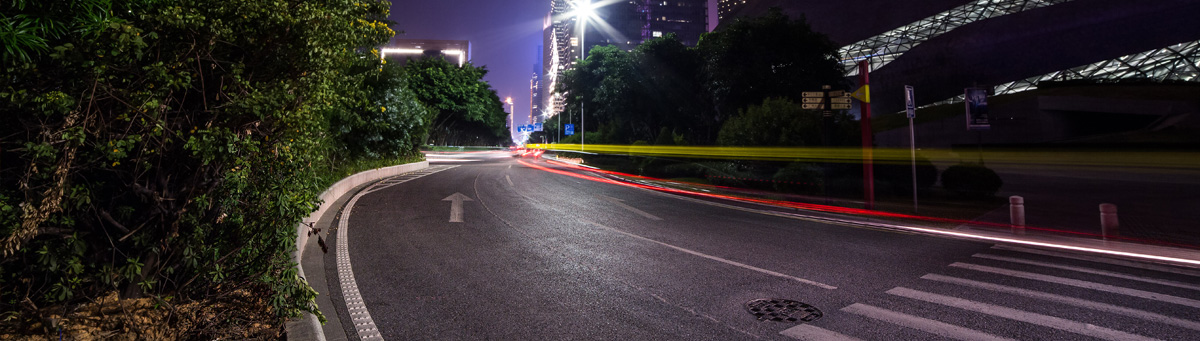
[308, 327]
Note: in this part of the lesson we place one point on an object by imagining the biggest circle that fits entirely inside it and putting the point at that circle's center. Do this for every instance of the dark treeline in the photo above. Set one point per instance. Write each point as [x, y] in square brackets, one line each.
[168, 149]
[740, 85]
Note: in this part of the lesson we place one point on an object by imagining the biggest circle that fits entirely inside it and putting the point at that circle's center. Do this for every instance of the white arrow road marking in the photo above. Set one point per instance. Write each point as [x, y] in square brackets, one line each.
[620, 202]
[456, 210]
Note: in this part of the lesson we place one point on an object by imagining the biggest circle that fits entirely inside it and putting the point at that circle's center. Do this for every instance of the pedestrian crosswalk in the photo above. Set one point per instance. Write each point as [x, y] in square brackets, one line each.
[1015, 293]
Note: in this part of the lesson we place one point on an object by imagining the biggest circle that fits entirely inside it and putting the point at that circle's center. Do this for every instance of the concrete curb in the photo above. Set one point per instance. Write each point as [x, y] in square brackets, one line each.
[308, 327]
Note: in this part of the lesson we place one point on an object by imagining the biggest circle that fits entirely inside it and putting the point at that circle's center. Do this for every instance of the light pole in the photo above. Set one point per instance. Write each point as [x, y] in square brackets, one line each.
[583, 11]
[512, 110]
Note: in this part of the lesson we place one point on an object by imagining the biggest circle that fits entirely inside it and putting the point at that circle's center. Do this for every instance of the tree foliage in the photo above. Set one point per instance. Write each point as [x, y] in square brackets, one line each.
[633, 95]
[170, 147]
[466, 109]
[664, 87]
[770, 56]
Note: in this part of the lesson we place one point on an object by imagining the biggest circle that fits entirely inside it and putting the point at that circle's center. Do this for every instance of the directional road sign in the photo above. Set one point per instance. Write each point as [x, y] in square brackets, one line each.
[817, 94]
[569, 129]
[840, 100]
[817, 100]
[537, 126]
[840, 106]
[837, 93]
[810, 106]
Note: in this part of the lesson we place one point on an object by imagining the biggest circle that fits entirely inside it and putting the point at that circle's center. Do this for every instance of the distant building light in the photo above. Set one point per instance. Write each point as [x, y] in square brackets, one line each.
[657, 34]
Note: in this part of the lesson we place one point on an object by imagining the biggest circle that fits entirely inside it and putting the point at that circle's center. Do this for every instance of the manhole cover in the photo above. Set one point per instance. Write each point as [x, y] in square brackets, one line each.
[781, 310]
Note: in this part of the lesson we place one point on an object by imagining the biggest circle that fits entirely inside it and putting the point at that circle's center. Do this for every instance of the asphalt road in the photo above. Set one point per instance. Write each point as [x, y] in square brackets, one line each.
[542, 255]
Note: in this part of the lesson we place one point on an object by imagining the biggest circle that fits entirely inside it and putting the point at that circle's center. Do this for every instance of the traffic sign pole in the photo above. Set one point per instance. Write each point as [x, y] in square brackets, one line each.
[910, 107]
[867, 144]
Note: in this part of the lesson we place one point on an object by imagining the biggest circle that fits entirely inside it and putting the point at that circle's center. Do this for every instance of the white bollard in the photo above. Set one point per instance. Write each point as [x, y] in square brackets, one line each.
[1108, 220]
[1016, 214]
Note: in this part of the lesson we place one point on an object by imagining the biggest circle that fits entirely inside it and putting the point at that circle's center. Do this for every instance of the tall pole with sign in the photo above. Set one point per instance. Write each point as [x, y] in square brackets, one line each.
[910, 108]
[864, 95]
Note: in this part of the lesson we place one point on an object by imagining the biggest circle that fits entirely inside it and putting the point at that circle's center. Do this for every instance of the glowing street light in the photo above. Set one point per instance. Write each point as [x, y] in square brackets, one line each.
[584, 10]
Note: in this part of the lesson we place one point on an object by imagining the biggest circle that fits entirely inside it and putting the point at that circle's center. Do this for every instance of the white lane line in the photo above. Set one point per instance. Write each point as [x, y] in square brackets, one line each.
[621, 203]
[808, 332]
[1103, 307]
[1089, 271]
[938, 328]
[510, 183]
[722, 260]
[1018, 315]
[1105, 260]
[1083, 284]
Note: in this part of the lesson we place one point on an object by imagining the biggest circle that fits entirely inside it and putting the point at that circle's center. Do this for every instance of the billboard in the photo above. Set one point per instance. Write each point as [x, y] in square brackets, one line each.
[977, 110]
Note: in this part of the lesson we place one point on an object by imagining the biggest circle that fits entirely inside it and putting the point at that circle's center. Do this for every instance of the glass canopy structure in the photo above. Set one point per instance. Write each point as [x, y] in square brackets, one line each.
[886, 47]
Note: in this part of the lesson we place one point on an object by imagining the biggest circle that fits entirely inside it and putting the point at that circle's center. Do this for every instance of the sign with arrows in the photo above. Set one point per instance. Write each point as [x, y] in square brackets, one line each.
[825, 100]
[456, 206]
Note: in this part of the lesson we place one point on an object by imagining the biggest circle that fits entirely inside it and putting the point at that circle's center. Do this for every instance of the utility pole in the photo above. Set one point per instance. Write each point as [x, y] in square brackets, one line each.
[868, 152]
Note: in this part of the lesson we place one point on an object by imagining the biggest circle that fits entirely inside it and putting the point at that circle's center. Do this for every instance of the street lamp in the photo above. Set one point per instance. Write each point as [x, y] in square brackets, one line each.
[512, 115]
[583, 10]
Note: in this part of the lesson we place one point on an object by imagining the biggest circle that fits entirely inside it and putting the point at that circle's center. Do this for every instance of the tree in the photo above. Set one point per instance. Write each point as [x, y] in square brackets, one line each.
[631, 96]
[169, 148]
[467, 110]
[776, 122]
[770, 56]
[673, 90]
[389, 122]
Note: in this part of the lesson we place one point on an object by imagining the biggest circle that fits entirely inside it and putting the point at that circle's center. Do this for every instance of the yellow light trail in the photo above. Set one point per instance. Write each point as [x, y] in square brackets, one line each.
[1170, 161]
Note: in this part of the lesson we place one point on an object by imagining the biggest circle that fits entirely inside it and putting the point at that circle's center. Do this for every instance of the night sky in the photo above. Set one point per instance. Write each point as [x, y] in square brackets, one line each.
[504, 35]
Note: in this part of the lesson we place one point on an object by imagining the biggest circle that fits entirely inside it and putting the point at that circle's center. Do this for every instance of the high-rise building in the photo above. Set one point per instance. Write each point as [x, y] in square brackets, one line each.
[535, 85]
[727, 7]
[401, 50]
[688, 19]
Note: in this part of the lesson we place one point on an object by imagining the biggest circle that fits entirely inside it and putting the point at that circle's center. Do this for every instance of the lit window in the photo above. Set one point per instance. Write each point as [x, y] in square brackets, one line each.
[657, 34]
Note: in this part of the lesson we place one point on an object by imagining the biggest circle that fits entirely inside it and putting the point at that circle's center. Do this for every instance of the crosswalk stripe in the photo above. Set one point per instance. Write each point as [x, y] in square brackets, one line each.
[1082, 284]
[919, 323]
[1104, 307]
[1089, 271]
[1018, 315]
[809, 332]
[1121, 262]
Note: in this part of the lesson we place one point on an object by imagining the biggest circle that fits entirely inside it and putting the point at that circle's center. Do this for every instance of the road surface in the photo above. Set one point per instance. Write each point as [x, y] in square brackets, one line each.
[487, 246]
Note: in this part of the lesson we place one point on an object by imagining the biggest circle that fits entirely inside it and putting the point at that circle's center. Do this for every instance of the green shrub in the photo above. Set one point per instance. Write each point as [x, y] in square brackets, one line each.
[971, 180]
[799, 177]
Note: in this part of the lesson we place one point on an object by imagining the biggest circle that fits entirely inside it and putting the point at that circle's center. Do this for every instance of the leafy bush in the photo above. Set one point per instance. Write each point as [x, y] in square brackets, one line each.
[971, 180]
[800, 177]
[170, 148]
